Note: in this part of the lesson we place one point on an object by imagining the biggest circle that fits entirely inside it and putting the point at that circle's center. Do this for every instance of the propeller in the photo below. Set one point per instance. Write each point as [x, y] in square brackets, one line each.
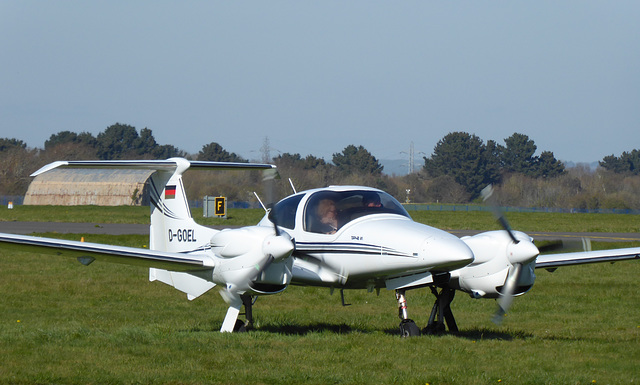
[519, 252]
[281, 243]
[522, 251]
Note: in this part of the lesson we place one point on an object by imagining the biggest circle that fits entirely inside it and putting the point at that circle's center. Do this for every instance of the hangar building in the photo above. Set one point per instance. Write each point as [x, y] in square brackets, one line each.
[101, 187]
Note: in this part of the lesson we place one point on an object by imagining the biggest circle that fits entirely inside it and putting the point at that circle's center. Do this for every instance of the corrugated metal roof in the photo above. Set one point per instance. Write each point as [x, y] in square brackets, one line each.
[103, 187]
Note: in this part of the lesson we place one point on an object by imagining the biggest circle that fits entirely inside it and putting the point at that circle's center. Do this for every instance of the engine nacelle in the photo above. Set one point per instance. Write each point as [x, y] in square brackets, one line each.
[486, 275]
[254, 259]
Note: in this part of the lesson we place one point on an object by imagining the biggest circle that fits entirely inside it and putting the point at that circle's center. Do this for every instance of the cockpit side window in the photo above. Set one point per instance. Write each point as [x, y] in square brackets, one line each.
[285, 212]
[326, 212]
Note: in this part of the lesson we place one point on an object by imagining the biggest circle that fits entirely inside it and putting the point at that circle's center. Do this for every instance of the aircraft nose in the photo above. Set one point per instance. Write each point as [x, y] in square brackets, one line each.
[447, 252]
[278, 246]
[522, 252]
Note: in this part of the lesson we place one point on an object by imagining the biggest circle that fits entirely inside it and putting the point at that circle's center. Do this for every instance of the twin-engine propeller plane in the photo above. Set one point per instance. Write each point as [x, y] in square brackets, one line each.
[340, 237]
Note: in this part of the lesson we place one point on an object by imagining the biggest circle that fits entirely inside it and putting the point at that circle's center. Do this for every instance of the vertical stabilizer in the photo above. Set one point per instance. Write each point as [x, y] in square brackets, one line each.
[172, 227]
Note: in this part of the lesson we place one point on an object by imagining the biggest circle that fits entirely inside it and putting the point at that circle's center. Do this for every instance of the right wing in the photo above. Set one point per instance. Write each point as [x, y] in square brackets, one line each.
[87, 252]
[552, 261]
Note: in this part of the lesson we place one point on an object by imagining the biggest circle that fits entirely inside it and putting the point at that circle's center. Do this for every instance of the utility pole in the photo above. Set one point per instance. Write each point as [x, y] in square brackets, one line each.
[411, 161]
[266, 150]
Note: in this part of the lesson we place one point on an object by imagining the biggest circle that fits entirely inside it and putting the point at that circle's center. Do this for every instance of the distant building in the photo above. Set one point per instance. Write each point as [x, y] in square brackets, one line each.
[100, 187]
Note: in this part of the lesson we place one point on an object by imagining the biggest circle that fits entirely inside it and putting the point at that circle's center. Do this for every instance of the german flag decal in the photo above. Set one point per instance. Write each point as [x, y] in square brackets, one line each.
[170, 192]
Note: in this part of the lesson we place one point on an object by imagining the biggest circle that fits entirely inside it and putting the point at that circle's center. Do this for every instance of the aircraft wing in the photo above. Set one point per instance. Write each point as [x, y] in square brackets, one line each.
[550, 261]
[87, 252]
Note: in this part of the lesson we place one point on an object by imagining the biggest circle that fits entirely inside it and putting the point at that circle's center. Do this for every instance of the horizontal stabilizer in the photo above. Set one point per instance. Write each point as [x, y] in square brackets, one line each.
[193, 286]
[169, 164]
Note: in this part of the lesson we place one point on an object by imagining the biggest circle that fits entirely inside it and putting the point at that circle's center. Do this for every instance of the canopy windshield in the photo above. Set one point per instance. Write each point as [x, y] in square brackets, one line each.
[347, 206]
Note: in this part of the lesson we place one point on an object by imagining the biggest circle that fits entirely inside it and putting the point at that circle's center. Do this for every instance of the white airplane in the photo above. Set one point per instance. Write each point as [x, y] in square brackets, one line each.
[341, 237]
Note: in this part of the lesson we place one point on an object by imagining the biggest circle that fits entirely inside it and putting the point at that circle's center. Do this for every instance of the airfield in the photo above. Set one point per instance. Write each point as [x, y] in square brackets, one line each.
[62, 322]
[132, 228]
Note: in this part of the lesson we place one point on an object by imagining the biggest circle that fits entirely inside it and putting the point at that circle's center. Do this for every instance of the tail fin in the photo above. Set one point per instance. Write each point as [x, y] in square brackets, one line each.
[172, 227]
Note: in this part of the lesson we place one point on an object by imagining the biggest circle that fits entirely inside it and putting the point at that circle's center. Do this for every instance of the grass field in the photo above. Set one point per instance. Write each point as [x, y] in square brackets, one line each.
[448, 220]
[62, 322]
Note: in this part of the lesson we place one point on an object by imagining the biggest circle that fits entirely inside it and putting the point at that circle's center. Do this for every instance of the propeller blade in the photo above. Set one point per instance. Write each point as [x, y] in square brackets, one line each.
[551, 246]
[584, 244]
[486, 195]
[506, 299]
[268, 178]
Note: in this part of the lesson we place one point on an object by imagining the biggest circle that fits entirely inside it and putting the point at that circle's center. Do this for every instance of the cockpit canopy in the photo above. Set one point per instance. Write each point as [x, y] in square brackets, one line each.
[348, 205]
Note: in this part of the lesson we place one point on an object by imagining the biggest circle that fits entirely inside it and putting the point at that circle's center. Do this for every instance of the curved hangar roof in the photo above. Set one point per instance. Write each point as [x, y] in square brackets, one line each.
[102, 187]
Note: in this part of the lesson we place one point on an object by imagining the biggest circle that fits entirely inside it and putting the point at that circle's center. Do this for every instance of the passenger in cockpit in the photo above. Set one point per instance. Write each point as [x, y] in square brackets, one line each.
[371, 200]
[327, 216]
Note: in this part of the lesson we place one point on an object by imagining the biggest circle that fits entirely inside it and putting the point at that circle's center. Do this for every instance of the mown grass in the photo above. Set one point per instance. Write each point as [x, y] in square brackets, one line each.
[448, 220]
[62, 322]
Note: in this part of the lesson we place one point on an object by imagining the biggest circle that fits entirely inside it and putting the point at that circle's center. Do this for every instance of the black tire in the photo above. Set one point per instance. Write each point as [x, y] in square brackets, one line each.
[239, 327]
[408, 328]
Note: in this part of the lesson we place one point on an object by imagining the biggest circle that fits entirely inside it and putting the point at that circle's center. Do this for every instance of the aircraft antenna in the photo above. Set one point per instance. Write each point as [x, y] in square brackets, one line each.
[259, 200]
[292, 186]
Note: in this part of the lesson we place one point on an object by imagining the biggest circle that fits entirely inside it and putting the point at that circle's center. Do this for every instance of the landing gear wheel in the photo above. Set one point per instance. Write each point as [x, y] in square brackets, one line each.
[240, 327]
[434, 329]
[408, 328]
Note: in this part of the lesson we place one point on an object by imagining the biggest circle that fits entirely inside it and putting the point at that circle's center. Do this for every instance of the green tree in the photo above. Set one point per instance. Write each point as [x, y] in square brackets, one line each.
[517, 156]
[118, 141]
[310, 162]
[7, 144]
[65, 137]
[357, 160]
[547, 166]
[146, 144]
[465, 158]
[214, 152]
[168, 151]
[627, 163]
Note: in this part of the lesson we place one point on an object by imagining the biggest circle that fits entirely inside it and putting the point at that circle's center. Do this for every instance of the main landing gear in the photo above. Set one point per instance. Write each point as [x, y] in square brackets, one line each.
[241, 326]
[440, 314]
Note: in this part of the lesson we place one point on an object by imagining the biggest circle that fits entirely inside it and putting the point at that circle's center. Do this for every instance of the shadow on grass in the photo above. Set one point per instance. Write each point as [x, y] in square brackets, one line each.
[492, 334]
[299, 330]
[476, 334]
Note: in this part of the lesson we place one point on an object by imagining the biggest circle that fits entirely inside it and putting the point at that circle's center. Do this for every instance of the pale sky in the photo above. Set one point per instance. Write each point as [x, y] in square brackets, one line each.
[316, 76]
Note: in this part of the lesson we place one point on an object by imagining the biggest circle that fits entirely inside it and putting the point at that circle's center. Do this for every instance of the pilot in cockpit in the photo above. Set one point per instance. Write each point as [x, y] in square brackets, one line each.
[327, 213]
[371, 200]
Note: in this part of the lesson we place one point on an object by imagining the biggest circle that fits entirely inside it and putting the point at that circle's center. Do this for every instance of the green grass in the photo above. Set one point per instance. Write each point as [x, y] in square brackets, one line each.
[448, 220]
[478, 220]
[117, 214]
[62, 322]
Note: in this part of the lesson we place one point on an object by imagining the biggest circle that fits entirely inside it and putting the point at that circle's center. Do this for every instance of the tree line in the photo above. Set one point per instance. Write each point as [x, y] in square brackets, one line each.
[460, 166]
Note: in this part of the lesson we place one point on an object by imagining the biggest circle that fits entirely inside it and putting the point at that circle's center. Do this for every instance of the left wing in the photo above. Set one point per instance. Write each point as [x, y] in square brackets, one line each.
[551, 261]
[87, 252]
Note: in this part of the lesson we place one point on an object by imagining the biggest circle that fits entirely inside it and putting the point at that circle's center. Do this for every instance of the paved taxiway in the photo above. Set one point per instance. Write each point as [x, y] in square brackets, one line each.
[120, 229]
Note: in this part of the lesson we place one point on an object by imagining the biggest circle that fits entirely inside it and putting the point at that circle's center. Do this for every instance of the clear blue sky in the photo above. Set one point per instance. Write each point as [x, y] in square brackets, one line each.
[316, 76]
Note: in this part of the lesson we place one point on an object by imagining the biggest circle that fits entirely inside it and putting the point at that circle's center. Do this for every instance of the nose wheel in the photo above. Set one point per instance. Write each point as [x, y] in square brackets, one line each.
[408, 328]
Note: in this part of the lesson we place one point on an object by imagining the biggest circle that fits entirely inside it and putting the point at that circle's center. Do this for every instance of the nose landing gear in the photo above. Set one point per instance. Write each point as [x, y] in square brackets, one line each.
[440, 318]
[408, 328]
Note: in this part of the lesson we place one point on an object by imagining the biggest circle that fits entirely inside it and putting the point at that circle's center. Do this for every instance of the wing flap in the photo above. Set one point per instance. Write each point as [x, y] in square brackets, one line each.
[84, 251]
[567, 259]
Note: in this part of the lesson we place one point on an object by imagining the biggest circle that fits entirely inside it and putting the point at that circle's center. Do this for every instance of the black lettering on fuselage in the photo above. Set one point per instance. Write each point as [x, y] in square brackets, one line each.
[182, 235]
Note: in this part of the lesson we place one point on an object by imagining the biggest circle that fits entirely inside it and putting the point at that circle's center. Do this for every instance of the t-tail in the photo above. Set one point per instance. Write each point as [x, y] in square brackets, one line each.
[172, 226]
